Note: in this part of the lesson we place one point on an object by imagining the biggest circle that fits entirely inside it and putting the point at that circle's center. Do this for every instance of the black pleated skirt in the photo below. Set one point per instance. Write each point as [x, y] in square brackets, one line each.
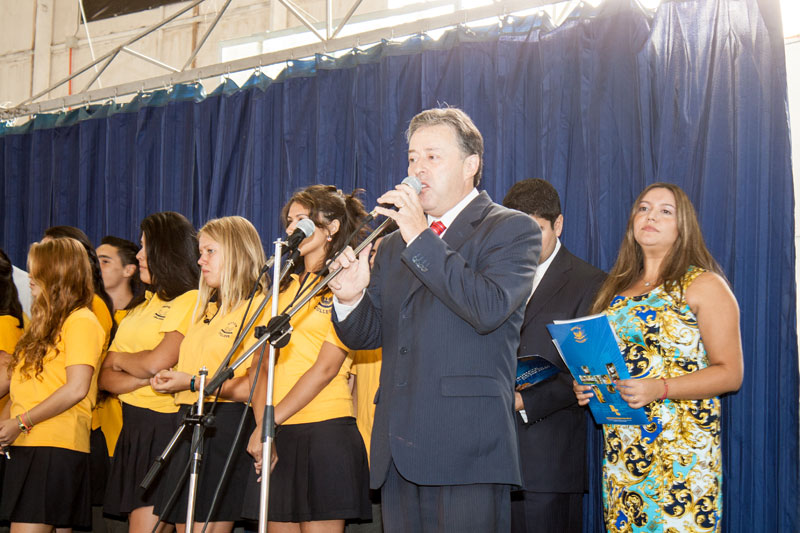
[99, 464]
[145, 433]
[218, 442]
[44, 485]
[322, 474]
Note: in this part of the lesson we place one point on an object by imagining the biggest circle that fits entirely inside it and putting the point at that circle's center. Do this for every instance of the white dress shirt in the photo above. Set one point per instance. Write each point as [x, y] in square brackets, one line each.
[541, 270]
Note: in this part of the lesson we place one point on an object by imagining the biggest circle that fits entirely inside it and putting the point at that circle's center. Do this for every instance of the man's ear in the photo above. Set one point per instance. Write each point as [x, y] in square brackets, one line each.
[558, 225]
[470, 166]
[129, 270]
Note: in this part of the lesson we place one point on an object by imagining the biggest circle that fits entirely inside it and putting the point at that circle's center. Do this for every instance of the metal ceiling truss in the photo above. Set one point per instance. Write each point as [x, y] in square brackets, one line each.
[328, 42]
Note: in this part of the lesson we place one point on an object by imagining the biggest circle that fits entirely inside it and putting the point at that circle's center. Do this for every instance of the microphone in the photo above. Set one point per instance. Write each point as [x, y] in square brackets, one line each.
[303, 230]
[412, 182]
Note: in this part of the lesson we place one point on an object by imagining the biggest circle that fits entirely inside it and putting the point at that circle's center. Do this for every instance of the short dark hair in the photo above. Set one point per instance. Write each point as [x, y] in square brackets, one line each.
[469, 138]
[127, 251]
[536, 197]
[172, 254]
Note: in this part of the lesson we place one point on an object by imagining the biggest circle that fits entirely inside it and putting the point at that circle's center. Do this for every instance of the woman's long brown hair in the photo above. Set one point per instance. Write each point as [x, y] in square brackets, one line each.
[61, 269]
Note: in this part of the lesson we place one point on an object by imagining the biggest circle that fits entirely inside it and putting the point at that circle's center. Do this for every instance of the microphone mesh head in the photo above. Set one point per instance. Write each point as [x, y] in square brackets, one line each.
[414, 183]
[306, 225]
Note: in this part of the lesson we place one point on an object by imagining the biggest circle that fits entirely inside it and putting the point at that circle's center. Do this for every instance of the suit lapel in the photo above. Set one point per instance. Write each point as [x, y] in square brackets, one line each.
[459, 231]
[552, 282]
[467, 220]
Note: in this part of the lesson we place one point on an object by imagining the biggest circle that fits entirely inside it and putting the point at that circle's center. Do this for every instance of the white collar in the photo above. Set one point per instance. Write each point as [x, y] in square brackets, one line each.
[454, 211]
[541, 270]
[544, 266]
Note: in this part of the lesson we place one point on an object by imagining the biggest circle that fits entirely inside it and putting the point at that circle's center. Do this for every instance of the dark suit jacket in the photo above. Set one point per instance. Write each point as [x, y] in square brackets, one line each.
[447, 313]
[553, 442]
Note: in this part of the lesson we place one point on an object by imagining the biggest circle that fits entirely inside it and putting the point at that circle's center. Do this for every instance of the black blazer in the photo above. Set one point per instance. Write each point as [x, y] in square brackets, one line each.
[553, 442]
[447, 313]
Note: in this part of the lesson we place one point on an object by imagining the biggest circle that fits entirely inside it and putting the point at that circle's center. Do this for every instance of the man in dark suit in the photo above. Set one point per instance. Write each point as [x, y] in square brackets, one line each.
[551, 426]
[447, 310]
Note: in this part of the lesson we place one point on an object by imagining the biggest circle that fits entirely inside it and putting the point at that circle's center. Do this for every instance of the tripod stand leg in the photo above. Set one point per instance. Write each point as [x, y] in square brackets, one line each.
[267, 438]
[158, 464]
[197, 456]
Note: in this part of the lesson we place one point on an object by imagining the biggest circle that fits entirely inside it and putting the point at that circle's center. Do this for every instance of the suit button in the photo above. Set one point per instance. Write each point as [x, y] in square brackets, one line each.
[403, 350]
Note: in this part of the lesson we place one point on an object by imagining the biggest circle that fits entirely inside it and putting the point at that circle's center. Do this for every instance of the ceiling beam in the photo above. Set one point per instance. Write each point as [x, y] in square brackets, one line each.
[499, 9]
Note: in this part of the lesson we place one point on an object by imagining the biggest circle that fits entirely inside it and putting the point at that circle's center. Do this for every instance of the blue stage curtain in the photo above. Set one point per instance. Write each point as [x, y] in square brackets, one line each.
[611, 100]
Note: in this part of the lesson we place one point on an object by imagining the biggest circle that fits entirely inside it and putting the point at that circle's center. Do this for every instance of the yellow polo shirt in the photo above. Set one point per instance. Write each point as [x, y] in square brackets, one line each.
[104, 317]
[108, 416]
[80, 342]
[312, 326]
[10, 332]
[207, 344]
[119, 314]
[367, 369]
[108, 412]
[143, 329]
[105, 414]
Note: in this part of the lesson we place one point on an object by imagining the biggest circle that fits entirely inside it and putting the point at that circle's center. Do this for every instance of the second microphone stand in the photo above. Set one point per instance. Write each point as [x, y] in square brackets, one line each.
[268, 419]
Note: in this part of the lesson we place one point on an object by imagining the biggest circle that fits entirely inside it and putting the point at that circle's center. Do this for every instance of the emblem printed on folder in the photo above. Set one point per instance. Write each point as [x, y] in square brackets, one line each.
[578, 334]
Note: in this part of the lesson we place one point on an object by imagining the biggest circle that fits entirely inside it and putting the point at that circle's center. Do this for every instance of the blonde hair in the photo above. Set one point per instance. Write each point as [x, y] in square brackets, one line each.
[242, 259]
[689, 249]
[61, 269]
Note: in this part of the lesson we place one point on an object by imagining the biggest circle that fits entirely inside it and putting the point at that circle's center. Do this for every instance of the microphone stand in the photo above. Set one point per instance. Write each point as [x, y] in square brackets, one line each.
[197, 446]
[268, 417]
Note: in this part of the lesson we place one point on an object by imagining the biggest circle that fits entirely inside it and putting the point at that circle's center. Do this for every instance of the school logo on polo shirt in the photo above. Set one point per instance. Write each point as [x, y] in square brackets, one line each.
[228, 330]
[161, 314]
[325, 305]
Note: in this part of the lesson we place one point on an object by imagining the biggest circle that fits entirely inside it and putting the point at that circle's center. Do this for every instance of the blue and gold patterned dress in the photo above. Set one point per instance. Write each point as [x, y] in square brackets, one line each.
[666, 476]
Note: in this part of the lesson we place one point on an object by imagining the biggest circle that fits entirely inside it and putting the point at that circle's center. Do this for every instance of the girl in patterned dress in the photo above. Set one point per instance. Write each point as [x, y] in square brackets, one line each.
[678, 326]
